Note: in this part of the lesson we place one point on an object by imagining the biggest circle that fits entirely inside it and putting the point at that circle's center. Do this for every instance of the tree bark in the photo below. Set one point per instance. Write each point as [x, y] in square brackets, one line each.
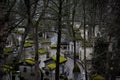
[27, 28]
[72, 26]
[84, 15]
[37, 71]
[58, 40]
[36, 53]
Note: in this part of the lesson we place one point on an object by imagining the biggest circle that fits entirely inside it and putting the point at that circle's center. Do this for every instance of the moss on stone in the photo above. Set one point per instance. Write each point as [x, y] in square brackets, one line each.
[27, 44]
[42, 51]
[62, 59]
[87, 44]
[29, 41]
[45, 41]
[53, 46]
[30, 61]
[51, 66]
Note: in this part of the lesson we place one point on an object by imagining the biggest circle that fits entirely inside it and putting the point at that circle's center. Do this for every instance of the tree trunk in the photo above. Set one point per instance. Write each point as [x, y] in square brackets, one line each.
[27, 28]
[36, 54]
[84, 15]
[72, 26]
[58, 40]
